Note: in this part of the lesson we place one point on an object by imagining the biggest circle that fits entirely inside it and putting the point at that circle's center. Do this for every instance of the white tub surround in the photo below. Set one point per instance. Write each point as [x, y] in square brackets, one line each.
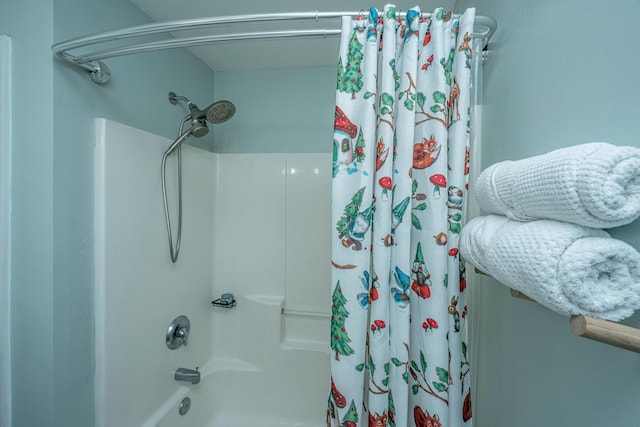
[254, 224]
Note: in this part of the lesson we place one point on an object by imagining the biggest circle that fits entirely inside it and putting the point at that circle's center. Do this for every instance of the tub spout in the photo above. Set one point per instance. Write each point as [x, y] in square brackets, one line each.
[184, 374]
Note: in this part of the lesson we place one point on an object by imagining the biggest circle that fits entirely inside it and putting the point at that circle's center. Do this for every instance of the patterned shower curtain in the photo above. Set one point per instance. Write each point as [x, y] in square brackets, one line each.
[400, 173]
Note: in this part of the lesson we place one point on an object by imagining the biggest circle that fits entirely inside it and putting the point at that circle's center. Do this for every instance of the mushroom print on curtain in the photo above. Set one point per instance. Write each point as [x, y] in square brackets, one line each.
[400, 172]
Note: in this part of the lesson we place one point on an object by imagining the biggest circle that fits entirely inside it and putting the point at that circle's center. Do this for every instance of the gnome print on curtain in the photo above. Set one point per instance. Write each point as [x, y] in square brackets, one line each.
[346, 152]
[400, 173]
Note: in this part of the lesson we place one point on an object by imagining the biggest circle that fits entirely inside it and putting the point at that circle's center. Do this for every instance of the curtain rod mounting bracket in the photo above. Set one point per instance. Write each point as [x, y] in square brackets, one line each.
[101, 74]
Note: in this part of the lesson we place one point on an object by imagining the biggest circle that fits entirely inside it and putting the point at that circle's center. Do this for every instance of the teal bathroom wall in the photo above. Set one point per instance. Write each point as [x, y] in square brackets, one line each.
[54, 106]
[279, 110]
[30, 26]
[559, 74]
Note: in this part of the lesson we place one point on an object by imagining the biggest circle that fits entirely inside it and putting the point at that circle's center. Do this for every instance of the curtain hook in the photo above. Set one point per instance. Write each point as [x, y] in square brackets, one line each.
[361, 15]
[317, 15]
[399, 15]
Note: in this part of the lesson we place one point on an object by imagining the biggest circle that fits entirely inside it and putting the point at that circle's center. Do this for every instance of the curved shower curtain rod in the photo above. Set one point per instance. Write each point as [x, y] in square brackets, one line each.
[100, 73]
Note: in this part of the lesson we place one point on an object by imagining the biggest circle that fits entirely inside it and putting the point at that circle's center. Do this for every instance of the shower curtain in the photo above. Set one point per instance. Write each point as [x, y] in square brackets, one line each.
[400, 174]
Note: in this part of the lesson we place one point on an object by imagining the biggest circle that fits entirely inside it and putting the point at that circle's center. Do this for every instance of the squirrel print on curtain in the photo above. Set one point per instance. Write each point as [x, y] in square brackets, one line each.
[376, 420]
[423, 419]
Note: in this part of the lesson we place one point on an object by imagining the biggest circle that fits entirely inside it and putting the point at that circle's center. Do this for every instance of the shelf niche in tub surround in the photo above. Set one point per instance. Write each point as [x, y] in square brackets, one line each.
[272, 241]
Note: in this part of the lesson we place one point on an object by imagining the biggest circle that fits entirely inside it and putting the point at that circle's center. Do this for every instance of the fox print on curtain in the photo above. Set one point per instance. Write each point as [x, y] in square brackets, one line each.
[400, 173]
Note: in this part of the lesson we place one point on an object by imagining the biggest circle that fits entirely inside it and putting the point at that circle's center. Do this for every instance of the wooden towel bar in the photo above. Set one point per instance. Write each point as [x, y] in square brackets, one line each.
[607, 332]
[611, 333]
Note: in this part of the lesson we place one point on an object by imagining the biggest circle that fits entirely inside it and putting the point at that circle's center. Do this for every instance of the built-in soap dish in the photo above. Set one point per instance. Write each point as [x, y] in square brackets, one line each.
[225, 301]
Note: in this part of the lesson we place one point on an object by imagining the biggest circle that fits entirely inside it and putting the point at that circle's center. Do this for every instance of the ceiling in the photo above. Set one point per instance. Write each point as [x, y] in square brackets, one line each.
[257, 54]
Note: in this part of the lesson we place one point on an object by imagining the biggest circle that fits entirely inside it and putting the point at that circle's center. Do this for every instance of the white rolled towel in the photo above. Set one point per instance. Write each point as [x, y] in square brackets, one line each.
[568, 268]
[596, 185]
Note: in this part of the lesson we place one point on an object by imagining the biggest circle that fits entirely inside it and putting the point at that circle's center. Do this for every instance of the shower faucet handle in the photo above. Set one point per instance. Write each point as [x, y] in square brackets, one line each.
[182, 333]
[178, 332]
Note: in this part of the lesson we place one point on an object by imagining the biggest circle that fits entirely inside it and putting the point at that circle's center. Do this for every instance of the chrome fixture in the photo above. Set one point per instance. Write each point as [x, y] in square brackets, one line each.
[90, 61]
[185, 405]
[190, 375]
[101, 74]
[218, 112]
[225, 300]
[178, 332]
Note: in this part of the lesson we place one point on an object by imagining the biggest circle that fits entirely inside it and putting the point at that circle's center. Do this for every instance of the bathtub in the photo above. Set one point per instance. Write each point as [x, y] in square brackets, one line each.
[225, 398]
[279, 383]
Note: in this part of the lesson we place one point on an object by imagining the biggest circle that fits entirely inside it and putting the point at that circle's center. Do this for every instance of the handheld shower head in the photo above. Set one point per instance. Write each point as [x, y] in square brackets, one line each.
[178, 142]
[198, 129]
[218, 112]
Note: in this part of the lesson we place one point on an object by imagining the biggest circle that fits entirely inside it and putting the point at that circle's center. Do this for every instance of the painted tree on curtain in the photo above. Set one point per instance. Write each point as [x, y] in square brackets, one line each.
[400, 173]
